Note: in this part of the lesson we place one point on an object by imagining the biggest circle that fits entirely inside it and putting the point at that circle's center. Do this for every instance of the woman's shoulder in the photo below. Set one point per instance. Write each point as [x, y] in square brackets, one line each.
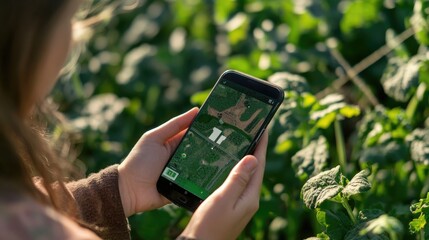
[22, 217]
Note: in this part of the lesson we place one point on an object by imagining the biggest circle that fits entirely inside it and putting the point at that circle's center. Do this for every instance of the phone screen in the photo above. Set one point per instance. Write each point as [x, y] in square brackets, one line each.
[219, 137]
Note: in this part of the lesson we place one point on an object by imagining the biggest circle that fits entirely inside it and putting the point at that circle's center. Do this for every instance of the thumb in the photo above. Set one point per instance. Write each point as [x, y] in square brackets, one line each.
[239, 178]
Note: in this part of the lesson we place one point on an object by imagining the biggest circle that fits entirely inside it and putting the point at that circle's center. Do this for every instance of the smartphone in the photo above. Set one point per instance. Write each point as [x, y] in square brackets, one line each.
[227, 127]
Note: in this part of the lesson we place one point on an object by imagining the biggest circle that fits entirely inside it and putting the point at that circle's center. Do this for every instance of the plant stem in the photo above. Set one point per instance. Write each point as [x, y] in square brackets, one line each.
[349, 210]
[412, 107]
[341, 149]
[425, 189]
[420, 175]
[306, 137]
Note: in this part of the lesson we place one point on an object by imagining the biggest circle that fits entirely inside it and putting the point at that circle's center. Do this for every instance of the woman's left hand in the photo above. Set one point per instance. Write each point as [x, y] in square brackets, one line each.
[139, 172]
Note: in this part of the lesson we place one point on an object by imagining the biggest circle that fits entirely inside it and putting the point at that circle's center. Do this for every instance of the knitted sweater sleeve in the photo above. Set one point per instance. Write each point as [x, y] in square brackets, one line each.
[100, 205]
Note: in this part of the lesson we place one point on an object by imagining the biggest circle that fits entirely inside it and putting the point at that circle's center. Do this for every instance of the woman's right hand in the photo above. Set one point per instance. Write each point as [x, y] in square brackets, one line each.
[225, 213]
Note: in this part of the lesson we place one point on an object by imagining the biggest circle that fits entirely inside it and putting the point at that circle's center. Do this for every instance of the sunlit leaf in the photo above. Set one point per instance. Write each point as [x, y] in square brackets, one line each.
[420, 223]
[237, 28]
[290, 82]
[332, 99]
[384, 224]
[141, 27]
[354, 234]
[200, 97]
[418, 141]
[358, 184]
[311, 159]
[350, 111]
[322, 187]
[332, 108]
[283, 146]
[419, 21]
[308, 100]
[417, 224]
[320, 236]
[329, 108]
[223, 10]
[326, 121]
[100, 112]
[401, 78]
[420, 206]
[359, 13]
[382, 124]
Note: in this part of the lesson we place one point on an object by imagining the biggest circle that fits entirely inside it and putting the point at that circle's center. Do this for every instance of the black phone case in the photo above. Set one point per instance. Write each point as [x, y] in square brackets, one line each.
[189, 201]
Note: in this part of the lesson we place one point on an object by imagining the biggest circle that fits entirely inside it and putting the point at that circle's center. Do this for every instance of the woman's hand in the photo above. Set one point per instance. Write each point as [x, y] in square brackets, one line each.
[139, 172]
[225, 213]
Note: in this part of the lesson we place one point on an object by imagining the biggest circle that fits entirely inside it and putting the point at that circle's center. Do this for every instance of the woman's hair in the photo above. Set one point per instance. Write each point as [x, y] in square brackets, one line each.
[26, 26]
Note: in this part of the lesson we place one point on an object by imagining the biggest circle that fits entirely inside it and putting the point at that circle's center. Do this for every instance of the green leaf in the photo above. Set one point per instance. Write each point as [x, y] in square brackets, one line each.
[237, 28]
[401, 78]
[326, 121]
[383, 224]
[388, 151]
[290, 82]
[322, 187]
[332, 99]
[320, 236]
[285, 142]
[308, 99]
[223, 10]
[358, 14]
[419, 21]
[311, 159]
[381, 135]
[418, 142]
[326, 111]
[421, 205]
[199, 97]
[424, 72]
[355, 234]
[350, 111]
[332, 108]
[358, 184]
[100, 111]
[418, 224]
[337, 223]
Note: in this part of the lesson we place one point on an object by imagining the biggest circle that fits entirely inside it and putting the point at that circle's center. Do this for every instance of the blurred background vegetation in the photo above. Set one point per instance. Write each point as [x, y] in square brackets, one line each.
[148, 61]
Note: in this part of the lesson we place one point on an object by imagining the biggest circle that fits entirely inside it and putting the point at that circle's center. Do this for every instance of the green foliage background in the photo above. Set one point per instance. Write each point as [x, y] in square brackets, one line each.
[355, 74]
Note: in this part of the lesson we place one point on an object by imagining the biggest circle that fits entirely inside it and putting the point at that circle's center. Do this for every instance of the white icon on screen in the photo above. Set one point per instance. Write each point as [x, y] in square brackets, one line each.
[216, 136]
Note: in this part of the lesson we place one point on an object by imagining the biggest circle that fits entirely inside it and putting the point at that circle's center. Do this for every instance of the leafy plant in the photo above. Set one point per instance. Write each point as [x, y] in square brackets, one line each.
[355, 75]
[332, 185]
[419, 225]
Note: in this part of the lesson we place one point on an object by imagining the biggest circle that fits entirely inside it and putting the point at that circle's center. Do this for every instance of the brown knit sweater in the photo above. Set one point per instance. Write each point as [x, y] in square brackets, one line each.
[99, 205]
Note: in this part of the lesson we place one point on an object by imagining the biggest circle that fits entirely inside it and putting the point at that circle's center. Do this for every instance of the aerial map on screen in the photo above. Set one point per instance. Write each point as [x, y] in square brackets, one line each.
[218, 138]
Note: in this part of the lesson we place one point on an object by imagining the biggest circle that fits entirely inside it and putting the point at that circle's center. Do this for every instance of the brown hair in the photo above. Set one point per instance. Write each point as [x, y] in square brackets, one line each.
[25, 29]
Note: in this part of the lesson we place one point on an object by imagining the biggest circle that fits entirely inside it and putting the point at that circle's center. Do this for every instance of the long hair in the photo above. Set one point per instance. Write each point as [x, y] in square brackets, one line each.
[26, 26]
